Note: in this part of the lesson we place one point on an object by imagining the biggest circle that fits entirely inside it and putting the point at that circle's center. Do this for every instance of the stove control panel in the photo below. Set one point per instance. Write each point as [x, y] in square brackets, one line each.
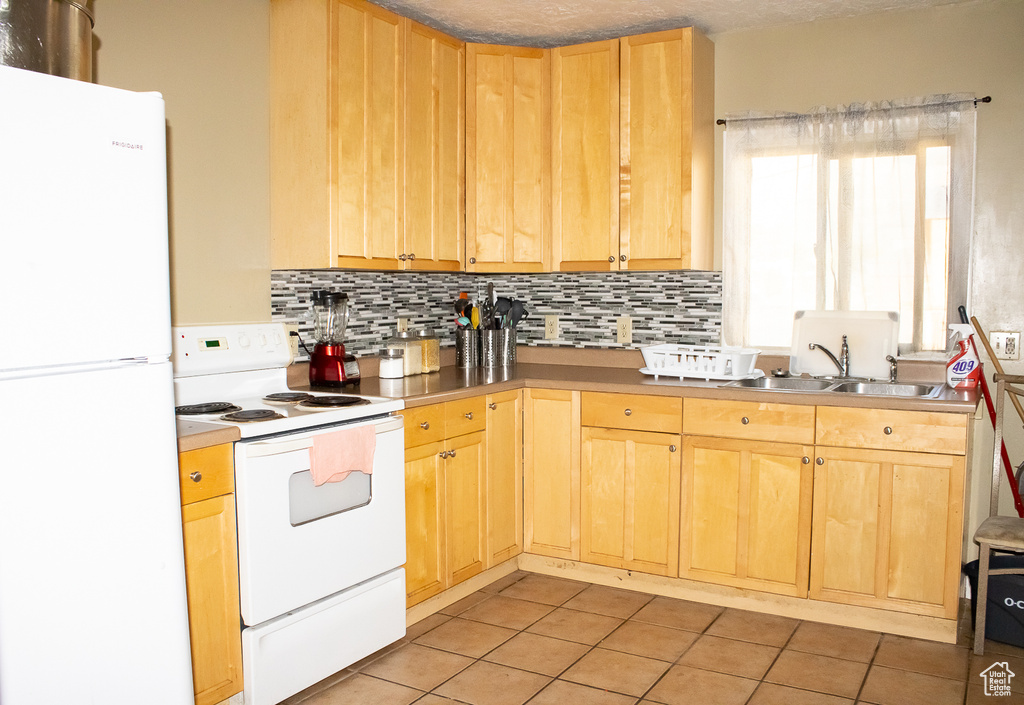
[204, 350]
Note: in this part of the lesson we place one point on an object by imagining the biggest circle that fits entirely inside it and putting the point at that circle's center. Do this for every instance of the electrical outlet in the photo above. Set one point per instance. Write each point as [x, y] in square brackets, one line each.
[403, 324]
[624, 330]
[550, 327]
[1006, 345]
[292, 331]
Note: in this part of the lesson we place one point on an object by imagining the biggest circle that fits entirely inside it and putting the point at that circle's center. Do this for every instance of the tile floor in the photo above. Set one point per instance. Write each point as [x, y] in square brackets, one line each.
[548, 641]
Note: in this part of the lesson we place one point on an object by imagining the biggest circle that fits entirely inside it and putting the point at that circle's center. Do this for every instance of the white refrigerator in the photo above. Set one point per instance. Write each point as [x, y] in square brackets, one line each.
[92, 585]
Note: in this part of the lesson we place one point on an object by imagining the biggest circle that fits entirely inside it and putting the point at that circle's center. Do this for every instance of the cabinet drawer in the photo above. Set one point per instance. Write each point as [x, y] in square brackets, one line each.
[206, 472]
[464, 416]
[886, 429]
[749, 420]
[424, 424]
[632, 412]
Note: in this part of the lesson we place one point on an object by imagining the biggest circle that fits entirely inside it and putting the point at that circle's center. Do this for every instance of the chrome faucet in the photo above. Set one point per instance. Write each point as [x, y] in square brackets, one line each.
[843, 363]
[892, 368]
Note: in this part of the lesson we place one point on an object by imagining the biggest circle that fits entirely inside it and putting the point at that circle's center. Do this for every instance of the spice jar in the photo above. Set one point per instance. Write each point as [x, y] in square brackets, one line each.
[392, 363]
[431, 346]
[408, 342]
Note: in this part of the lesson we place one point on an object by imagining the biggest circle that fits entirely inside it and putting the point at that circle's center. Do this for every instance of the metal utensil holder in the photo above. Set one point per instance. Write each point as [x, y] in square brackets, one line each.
[498, 347]
[467, 347]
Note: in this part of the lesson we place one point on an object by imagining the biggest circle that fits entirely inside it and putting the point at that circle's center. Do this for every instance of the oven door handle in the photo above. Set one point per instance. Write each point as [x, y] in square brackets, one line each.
[260, 449]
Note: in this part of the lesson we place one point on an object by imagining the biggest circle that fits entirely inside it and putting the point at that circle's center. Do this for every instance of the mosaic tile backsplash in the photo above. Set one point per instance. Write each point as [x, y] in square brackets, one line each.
[666, 307]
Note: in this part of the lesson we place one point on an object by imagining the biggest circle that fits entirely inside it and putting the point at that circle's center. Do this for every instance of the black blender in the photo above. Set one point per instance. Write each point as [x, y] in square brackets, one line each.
[329, 366]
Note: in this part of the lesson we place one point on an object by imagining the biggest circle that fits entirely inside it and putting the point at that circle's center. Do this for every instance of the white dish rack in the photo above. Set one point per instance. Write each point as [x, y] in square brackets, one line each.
[699, 362]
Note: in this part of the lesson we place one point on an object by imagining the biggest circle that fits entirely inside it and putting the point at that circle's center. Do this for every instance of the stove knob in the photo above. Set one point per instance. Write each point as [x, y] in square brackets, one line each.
[243, 340]
[263, 339]
[277, 338]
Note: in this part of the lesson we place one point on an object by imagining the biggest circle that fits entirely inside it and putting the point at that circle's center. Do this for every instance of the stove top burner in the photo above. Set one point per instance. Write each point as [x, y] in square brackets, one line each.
[331, 402]
[287, 397]
[252, 415]
[213, 407]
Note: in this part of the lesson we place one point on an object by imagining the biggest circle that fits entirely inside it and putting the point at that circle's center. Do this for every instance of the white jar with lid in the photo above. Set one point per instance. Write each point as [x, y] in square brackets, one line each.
[392, 363]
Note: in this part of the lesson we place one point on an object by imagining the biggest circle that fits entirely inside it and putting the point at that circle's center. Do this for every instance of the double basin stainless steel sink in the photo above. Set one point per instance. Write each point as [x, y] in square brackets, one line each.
[859, 387]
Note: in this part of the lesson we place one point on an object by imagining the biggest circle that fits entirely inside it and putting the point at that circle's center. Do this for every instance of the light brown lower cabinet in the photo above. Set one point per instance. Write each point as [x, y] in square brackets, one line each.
[630, 499]
[504, 477]
[445, 496]
[887, 529]
[211, 571]
[747, 514]
[551, 473]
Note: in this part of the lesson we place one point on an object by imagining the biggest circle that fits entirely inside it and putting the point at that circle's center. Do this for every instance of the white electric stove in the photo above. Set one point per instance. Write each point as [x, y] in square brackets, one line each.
[321, 582]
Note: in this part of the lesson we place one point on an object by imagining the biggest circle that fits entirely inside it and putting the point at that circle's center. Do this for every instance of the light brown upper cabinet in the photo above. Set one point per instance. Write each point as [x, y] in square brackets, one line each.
[366, 139]
[666, 153]
[434, 149]
[508, 192]
[633, 153]
[585, 156]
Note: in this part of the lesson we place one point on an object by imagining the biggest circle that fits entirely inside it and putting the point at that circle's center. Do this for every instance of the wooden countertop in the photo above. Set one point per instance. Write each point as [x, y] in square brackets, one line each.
[456, 383]
[193, 435]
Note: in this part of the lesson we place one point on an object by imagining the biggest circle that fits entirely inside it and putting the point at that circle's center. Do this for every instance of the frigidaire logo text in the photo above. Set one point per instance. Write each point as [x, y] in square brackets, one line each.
[126, 145]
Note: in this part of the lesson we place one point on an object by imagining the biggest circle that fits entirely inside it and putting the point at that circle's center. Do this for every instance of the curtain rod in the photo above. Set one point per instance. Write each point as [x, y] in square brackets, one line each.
[986, 99]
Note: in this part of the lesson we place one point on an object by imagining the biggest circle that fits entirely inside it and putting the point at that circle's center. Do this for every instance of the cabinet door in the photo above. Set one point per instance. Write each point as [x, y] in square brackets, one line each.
[465, 505]
[301, 230]
[630, 500]
[551, 473]
[426, 566]
[211, 576]
[366, 124]
[887, 529]
[434, 148]
[747, 514]
[508, 190]
[585, 156]
[504, 477]
[666, 113]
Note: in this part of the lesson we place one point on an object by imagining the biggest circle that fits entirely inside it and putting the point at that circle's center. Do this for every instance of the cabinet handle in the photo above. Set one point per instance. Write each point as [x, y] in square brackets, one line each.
[805, 460]
[622, 258]
[672, 449]
[469, 415]
[412, 256]
[425, 425]
[443, 454]
[887, 430]
[492, 406]
[451, 454]
[819, 461]
[628, 412]
[472, 260]
[744, 421]
[402, 257]
[611, 258]
[196, 476]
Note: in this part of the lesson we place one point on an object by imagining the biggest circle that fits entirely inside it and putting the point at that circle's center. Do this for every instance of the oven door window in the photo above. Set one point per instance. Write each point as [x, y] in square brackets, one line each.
[307, 502]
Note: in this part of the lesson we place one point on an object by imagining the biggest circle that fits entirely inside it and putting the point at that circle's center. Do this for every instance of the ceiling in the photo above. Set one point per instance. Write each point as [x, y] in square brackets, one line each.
[559, 22]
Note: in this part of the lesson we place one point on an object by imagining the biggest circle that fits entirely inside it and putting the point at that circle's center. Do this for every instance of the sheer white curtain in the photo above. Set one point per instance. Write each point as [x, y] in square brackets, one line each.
[863, 207]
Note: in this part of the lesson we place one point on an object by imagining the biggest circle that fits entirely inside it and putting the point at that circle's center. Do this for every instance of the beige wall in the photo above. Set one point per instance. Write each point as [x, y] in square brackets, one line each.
[210, 61]
[972, 47]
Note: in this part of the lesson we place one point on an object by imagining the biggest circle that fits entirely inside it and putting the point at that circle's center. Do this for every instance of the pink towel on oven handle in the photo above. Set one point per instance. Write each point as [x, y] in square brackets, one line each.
[335, 455]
